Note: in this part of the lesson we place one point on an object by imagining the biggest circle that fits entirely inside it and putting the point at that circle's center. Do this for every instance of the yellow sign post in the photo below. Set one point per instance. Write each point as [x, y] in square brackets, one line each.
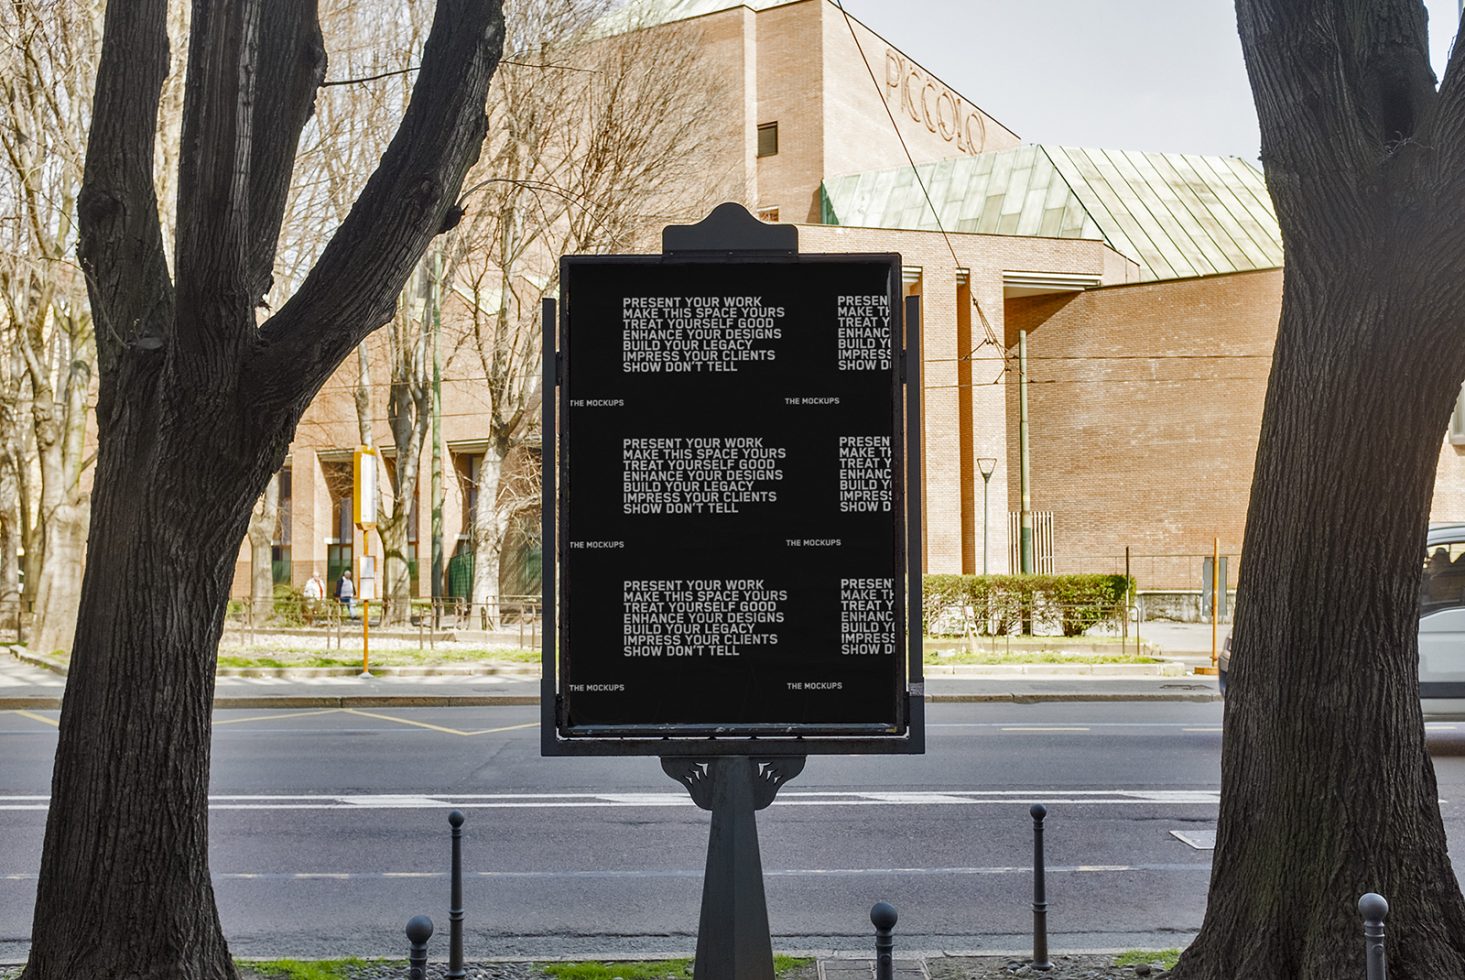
[363, 507]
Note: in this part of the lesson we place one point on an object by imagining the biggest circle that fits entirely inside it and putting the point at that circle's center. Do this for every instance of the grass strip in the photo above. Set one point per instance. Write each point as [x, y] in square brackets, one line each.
[1165, 959]
[313, 969]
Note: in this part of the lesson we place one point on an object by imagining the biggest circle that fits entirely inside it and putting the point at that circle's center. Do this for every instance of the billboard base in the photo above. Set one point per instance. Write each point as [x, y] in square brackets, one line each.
[733, 939]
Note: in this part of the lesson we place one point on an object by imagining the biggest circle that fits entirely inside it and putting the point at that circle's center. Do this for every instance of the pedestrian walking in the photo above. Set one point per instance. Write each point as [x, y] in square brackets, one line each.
[346, 591]
[315, 591]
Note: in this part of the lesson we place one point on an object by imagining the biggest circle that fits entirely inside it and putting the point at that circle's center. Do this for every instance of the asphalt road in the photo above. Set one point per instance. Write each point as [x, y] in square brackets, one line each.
[330, 830]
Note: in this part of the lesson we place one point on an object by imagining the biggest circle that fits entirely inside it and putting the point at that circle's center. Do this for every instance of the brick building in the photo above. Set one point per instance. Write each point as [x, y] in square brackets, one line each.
[1148, 284]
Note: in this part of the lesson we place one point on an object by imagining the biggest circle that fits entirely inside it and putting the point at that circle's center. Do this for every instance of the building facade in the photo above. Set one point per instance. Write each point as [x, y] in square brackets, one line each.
[1147, 287]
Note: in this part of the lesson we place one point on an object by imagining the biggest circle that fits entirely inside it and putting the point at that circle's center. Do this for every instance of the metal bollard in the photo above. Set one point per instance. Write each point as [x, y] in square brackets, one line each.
[455, 907]
[1040, 894]
[883, 917]
[1373, 908]
[419, 931]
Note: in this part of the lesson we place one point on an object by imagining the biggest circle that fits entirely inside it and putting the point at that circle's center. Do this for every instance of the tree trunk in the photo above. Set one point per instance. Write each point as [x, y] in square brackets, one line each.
[57, 595]
[10, 537]
[197, 404]
[263, 521]
[397, 594]
[170, 511]
[1327, 790]
[490, 524]
[59, 428]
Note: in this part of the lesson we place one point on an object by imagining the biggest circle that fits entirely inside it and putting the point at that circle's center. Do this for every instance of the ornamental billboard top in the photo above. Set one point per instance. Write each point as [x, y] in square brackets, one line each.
[729, 512]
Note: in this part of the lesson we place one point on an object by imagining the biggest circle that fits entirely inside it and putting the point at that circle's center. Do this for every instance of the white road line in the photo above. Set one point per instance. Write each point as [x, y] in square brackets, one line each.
[817, 798]
[697, 873]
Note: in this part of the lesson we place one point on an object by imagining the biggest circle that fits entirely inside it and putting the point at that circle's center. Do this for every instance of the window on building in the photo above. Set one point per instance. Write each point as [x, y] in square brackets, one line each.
[338, 561]
[280, 564]
[768, 214]
[768, 139]
[280, 567]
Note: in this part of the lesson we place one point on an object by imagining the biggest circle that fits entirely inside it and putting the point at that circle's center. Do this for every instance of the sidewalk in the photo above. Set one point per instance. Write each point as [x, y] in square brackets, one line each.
[26, 685]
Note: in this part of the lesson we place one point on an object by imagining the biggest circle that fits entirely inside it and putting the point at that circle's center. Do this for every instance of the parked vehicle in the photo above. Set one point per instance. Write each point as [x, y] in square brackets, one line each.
[1441, 625]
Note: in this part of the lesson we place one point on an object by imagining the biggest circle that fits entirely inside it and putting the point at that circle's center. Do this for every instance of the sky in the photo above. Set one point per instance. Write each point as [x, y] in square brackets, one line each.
[1162, 75]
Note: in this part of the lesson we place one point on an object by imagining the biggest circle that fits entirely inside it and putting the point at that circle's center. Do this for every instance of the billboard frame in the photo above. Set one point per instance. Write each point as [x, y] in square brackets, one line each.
[731, 235]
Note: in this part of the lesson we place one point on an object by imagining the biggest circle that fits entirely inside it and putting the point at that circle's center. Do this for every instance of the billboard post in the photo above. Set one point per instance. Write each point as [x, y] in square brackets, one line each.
[732, 528]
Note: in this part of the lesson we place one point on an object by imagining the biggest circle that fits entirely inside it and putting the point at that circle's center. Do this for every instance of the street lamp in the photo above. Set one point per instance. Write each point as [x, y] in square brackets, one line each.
[985, 465]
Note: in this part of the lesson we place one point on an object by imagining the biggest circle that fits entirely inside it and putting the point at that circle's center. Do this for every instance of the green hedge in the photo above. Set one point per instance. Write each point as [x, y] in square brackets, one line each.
[1072, 602]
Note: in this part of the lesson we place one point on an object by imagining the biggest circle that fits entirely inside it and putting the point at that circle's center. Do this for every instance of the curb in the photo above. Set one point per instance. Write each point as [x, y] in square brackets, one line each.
[38, 660]
[1072, 696]
[444, 670]
[293, 701]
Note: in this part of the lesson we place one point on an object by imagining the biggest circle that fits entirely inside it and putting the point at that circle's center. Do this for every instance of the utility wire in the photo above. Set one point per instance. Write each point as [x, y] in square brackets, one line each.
[981, 314]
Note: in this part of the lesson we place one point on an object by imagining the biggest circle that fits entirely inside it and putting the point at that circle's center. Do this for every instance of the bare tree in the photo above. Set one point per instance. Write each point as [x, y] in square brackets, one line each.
[196, 409]
[14, 476]
[1327, 790]
[44, 112]
[348, 133]
[600, 179]
[264, 521]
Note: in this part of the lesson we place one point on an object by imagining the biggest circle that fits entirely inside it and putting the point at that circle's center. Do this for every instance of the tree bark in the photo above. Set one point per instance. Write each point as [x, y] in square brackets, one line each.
[263, 520]
[125, 888]
[59, 435]
[490, 525]
[409, 414]
[196, 410]
[1327, 790]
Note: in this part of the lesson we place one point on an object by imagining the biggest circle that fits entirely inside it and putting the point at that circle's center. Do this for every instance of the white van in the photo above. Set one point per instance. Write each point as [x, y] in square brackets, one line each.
[1441, 625]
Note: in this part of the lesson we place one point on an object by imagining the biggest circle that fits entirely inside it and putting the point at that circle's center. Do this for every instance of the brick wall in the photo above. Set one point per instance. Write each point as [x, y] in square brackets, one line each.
[1145, 406]
[963, 386]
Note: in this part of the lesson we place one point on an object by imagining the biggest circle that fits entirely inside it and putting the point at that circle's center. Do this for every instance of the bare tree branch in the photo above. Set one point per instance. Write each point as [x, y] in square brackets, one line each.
[121, 246]
[353, 288]
[292, 63]
[213, 178]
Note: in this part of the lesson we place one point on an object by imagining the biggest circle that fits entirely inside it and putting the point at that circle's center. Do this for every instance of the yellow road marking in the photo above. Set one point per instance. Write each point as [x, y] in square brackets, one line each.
[439, 728]
[53, 722]
[277, 715]
[1020, 728]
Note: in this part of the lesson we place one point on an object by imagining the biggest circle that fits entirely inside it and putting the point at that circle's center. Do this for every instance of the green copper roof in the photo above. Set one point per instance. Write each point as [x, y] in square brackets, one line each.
[1177, 215]
[648, 13]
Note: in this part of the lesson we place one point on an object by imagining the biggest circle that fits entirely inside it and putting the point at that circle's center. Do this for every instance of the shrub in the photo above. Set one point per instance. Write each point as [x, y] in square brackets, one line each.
[1073, 603]
[289, 604]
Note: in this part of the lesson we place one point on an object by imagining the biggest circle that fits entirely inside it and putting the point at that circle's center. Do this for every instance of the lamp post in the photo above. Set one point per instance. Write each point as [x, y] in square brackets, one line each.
[985, 465]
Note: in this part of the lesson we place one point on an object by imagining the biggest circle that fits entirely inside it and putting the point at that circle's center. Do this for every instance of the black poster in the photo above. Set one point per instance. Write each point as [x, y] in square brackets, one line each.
[731, 503]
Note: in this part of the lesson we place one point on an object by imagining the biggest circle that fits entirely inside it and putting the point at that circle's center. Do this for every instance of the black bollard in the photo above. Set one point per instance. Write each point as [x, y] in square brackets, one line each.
[419, 931]
[883, 917]
[455, 906]
[1374, 909]
[1040, 894]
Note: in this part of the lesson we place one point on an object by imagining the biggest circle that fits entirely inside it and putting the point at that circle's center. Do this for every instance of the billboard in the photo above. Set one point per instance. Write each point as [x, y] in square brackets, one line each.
[732, 516]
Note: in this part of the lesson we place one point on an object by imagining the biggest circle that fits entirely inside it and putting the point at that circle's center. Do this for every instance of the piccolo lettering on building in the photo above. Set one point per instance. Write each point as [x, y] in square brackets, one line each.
[914, 93]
